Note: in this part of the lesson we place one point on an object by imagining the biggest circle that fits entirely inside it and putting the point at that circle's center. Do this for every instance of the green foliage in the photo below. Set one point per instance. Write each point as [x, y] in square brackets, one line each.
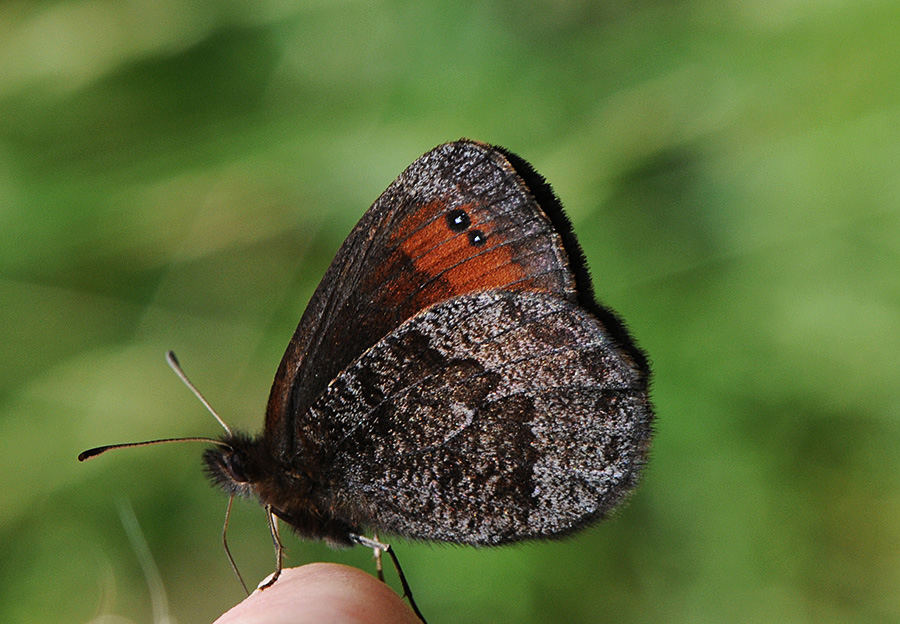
[179, 174]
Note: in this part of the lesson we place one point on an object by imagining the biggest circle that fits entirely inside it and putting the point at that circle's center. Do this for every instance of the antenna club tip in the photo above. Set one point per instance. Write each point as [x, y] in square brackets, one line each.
[84, 455]
[170, 356]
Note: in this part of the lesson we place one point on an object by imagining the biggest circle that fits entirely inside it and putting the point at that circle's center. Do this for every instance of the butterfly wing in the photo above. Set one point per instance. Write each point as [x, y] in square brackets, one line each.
[460, 219]
[485, 419]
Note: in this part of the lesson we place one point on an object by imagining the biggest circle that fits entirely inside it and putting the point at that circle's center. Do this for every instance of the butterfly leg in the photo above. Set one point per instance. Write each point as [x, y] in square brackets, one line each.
[279, 548]
[381, 547]
[379, 567]
[227, 549]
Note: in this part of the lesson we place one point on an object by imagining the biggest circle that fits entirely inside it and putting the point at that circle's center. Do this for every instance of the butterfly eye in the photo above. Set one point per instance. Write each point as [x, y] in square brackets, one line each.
[235, 468]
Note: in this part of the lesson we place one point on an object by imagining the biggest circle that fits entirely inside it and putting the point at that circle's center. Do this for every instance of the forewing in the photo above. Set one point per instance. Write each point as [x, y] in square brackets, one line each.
[460, 219]
[485, 419]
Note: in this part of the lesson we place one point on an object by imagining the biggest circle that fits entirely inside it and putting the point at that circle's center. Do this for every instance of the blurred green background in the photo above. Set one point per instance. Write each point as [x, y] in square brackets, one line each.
[179, 174]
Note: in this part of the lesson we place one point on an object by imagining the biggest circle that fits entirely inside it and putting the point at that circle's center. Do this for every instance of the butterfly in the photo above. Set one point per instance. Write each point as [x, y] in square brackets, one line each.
[453, 377]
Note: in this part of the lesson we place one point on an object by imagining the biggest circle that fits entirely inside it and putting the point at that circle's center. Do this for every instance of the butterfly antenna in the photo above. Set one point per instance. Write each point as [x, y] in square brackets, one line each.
[175, 366]
[173, 362]
[102, 449]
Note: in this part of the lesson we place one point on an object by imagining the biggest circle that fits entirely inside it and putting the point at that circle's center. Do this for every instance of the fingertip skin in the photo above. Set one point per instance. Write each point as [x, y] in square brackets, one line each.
[322, 593]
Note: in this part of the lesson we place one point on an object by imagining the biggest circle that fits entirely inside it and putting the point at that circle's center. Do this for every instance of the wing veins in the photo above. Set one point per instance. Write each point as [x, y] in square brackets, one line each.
[363, 416]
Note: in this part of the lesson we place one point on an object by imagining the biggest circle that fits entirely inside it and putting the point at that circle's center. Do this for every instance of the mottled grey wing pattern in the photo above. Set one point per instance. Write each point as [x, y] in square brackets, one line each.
[488, 418]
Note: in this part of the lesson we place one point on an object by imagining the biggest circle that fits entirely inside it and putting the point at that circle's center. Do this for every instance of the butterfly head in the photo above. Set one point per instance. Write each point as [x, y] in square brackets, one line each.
[242, 465]
[238, 465]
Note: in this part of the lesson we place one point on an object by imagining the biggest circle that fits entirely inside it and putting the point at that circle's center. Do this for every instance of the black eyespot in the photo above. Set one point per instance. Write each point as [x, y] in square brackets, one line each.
[458, 220]
[235, 468]
[477, 238]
